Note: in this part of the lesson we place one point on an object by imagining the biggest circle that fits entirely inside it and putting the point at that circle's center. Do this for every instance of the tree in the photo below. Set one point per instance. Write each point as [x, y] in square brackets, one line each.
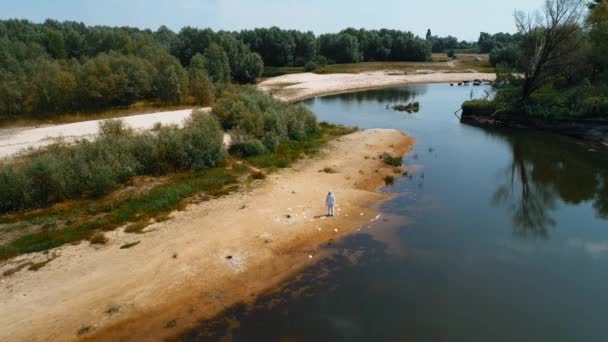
[168, 85]
[200, 86]
[550, 42]
[249, 68]
[216, 63]
[598, 36]
[429, 35]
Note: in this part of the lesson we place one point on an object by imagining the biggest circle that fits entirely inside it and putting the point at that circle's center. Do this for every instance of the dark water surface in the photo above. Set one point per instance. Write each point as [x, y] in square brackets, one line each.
[498, 236]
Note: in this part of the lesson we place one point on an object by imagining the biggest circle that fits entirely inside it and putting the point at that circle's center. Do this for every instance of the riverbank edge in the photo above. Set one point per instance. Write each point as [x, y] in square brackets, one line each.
[588, 130]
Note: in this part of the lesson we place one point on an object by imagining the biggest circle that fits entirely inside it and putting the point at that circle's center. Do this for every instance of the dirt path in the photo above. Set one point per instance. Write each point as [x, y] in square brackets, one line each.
[206, 258]
[14, 140]
[295, 87]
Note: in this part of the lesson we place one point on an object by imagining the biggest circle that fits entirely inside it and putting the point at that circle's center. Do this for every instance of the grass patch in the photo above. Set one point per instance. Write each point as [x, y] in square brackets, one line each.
[390, 159]
[328, 169]
[155, 204]
[278, 71]
[479, 107]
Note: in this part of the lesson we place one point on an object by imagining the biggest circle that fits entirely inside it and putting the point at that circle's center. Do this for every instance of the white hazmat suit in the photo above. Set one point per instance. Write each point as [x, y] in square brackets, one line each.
[330, 202]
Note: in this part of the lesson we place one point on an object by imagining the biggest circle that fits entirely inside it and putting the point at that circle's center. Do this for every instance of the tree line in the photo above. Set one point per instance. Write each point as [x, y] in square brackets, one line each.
[61, 67]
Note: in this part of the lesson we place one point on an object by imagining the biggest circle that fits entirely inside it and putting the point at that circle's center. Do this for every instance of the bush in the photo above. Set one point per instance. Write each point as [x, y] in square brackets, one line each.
[389, 180]
[310, 66]
[251, 147]
[389, 159]
[451, 53]
[255, 117]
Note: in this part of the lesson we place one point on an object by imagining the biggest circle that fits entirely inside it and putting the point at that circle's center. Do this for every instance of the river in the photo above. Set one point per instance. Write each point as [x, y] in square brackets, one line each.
[494, 235]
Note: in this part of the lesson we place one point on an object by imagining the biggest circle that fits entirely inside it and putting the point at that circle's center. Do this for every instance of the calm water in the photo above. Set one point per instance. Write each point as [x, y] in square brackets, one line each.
[498, 236]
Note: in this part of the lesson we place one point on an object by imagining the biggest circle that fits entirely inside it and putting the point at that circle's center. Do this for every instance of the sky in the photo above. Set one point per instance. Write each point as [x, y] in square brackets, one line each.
[463, 19]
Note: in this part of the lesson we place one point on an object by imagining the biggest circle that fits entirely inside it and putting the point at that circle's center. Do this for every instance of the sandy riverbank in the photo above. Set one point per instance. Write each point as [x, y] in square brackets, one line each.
[294, 87]
[180, 270]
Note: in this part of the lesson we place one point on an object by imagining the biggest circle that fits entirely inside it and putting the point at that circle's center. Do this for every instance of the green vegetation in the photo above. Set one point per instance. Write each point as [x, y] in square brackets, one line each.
[449, 43]
[258, 123]
[67, 67]
[390, 159]
[94, 168]
[63, 67]
[478, 107]
[389, 180]
[562, 58]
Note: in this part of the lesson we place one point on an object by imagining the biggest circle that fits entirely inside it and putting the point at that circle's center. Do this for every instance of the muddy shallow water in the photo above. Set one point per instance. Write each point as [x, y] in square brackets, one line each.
[493, 236]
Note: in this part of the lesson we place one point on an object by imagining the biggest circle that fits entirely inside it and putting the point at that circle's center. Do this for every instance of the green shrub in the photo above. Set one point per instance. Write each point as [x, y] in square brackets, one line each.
[389, 159]
[310, 66]
[389, 180]
[250, 147]
[255, 116]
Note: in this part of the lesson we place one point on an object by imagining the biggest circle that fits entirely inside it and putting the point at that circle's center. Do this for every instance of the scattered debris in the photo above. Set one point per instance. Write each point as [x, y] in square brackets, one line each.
[129, 245]
[229, 257]
[174, 255]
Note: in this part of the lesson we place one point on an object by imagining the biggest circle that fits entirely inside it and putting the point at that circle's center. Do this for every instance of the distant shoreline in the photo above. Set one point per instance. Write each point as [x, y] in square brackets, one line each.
[298, 87]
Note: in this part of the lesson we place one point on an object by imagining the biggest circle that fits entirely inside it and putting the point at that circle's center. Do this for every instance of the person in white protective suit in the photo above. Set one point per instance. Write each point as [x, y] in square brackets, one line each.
[330, 202]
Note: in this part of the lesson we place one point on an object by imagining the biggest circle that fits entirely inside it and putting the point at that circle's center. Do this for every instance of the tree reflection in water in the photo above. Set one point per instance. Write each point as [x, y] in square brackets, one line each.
[543, 170]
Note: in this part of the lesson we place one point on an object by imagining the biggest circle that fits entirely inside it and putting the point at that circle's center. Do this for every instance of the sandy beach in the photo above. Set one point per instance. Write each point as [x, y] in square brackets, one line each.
[204, 259]
[294, 87]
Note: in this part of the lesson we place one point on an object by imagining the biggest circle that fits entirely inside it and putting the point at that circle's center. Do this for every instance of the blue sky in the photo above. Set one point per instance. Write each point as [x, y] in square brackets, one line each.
[461, 18]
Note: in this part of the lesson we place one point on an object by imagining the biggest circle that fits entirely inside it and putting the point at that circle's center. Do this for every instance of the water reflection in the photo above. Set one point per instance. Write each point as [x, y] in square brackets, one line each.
[392, 95]
[544, 170]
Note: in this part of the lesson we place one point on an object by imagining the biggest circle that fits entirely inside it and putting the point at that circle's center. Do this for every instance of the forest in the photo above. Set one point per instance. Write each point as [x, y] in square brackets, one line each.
[65, 67]
[555, 67]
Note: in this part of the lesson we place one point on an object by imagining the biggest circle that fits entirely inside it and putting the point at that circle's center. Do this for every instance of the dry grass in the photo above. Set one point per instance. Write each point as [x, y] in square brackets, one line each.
[328, 169]
[257, 175]
[136, 227]
[98, 239]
